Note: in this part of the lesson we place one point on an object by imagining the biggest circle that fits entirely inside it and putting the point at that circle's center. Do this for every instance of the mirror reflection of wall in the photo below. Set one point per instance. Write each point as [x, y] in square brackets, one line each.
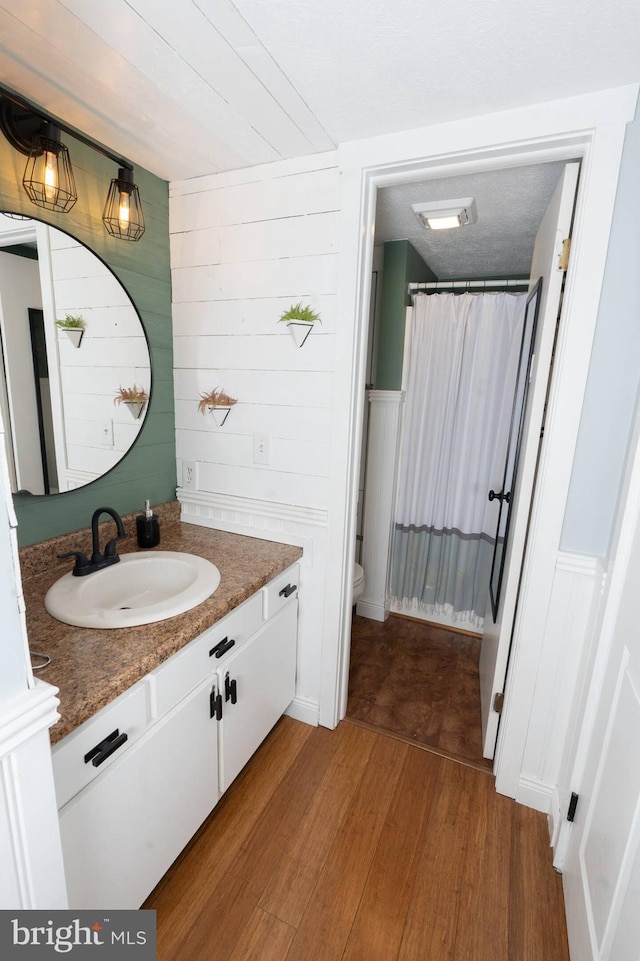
[63, 429]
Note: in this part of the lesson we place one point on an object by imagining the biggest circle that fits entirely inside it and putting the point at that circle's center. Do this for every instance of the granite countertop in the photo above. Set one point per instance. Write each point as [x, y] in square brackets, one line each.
[92, 667]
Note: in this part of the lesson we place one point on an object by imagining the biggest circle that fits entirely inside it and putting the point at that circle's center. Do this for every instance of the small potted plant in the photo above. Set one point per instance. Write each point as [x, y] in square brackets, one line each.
[73, 327]
[300, 320]
[135, 398]
[218, 403]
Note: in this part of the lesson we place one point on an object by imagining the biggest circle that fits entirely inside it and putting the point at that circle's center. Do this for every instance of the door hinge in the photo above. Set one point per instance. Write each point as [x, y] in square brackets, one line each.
[573, 804]
[498, 701]
[563, 259]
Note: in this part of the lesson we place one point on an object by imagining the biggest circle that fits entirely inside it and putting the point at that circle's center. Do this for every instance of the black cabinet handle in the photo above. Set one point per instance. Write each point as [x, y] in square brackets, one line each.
[222, 647]
[215, 705]
[230, 689]
[288, 590]
[500, 496]
[105, 748]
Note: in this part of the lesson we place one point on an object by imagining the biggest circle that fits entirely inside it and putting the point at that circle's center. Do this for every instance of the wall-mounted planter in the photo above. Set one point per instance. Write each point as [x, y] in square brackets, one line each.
[218, 403]
[75, 334]
[219, 414]
[134, 398]
[135, 407]
[299, 318]
[299, 330]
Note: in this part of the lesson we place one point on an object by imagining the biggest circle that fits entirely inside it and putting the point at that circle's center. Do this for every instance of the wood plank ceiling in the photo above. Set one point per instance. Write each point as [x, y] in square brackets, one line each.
[191, 87]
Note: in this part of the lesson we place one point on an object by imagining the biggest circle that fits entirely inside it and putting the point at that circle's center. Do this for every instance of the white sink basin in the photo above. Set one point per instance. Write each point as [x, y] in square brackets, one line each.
[139, 589]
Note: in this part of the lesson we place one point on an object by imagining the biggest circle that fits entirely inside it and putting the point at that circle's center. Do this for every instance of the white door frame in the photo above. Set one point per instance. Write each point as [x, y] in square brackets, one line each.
[589, 127]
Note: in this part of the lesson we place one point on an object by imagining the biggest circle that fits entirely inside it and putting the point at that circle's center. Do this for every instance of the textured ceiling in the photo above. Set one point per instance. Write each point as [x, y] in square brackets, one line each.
[191, 87]
[510, 205]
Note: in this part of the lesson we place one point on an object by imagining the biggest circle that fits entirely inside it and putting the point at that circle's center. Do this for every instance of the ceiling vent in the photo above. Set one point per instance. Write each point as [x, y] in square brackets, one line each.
[445, 214]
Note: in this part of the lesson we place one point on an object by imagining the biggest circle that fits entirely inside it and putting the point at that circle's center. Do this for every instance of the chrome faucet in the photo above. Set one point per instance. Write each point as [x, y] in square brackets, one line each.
[98, 561]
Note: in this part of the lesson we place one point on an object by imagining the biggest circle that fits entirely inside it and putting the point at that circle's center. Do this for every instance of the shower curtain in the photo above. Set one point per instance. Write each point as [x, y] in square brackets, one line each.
[463, 357]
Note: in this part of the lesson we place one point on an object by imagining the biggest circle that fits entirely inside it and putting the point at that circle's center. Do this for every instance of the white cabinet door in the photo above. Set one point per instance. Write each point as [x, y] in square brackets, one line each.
[123, 831]
[256, 686]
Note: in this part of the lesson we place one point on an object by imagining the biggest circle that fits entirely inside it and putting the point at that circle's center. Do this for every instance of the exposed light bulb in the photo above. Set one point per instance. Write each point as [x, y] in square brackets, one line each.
[50, 175]
[124, 209]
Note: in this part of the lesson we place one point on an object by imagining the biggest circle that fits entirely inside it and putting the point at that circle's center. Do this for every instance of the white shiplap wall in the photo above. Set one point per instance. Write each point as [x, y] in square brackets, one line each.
[244, 246]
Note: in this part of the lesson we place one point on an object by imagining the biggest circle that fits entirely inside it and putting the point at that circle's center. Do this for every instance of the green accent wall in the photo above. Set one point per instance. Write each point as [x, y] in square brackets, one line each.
[148, 470]
[402, 265]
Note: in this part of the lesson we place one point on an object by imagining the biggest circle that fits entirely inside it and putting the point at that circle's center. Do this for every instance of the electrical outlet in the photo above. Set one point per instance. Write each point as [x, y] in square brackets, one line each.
[106, 433]
[260, 448]
[189, 475]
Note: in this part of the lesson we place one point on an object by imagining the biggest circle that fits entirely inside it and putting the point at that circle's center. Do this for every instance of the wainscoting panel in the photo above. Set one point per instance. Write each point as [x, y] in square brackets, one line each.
[577, 588]
[385, 410]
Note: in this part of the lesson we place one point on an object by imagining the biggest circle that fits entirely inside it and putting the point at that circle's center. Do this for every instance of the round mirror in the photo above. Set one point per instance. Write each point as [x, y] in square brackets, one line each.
[75, 376]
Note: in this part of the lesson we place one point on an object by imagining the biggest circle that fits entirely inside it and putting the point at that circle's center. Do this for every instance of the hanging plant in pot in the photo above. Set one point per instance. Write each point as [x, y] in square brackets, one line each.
[218, 403]
[73, 328]
[300, 320]
[135, 398]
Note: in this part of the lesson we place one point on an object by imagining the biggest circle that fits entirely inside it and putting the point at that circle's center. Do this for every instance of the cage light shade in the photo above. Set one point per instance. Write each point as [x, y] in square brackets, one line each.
[122, 215]
[48, 177]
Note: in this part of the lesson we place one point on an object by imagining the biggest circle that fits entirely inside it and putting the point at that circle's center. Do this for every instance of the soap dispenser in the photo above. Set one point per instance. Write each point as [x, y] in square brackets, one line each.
[148, 527]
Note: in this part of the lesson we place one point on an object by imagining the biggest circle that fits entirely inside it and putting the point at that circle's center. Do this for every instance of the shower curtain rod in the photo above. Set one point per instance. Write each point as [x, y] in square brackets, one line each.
[462, 285]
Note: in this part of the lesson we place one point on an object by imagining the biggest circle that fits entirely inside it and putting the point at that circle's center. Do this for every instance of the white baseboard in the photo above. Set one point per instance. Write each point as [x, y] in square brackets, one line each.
[535, 794]
[372, 609]
[304, 709]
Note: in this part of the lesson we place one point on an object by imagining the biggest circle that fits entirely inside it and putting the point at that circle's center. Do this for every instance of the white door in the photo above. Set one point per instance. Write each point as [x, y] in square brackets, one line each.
[601, 873]
[554, 229]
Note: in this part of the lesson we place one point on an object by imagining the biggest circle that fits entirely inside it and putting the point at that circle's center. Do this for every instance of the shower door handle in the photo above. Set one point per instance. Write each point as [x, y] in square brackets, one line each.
[500, 496]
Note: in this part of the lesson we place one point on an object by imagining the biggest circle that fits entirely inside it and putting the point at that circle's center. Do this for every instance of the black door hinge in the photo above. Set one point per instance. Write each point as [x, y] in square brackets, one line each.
[573, 804]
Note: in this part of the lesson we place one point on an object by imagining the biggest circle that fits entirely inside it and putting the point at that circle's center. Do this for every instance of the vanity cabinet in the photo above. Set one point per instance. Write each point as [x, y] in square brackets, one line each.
[135, 781]
[121, 833]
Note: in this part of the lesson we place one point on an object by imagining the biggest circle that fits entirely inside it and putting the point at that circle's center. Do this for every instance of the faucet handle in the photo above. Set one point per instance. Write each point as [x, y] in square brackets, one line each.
[81, 565]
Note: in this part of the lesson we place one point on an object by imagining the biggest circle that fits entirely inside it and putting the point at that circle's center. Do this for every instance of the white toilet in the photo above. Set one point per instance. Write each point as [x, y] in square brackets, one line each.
[358, 583]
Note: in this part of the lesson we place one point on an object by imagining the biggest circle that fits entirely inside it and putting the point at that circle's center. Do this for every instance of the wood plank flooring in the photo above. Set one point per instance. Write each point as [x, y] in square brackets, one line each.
[350, 845]
[420, 682]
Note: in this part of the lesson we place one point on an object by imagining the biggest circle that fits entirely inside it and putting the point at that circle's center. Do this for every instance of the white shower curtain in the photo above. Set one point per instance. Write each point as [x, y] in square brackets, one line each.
[463, 357]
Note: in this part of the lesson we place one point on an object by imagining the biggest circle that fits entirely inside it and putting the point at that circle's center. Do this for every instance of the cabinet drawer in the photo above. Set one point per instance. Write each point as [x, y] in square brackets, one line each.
[186, 669]
[280, 591]
[90, 749]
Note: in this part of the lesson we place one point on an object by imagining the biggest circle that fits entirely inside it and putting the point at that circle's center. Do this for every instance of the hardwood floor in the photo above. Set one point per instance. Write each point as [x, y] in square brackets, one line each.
[420, 682]
[350, 845]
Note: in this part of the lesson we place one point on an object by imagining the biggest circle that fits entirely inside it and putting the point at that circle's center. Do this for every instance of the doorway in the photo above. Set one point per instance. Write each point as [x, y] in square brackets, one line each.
[539, 185]
[592, 128]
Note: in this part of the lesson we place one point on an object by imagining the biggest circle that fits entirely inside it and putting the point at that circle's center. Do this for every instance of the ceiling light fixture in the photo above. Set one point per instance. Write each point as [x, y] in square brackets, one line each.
[48, 178]
[446, 214]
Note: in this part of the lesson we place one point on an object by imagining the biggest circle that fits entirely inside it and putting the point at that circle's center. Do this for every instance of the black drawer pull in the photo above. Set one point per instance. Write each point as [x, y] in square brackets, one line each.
[230, 689]
[222, 647]
[105, 748]
[288, 590]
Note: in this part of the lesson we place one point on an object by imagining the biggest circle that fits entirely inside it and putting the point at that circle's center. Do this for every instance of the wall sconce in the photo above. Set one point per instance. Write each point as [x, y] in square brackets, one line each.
[48, 178]
[122, 215]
